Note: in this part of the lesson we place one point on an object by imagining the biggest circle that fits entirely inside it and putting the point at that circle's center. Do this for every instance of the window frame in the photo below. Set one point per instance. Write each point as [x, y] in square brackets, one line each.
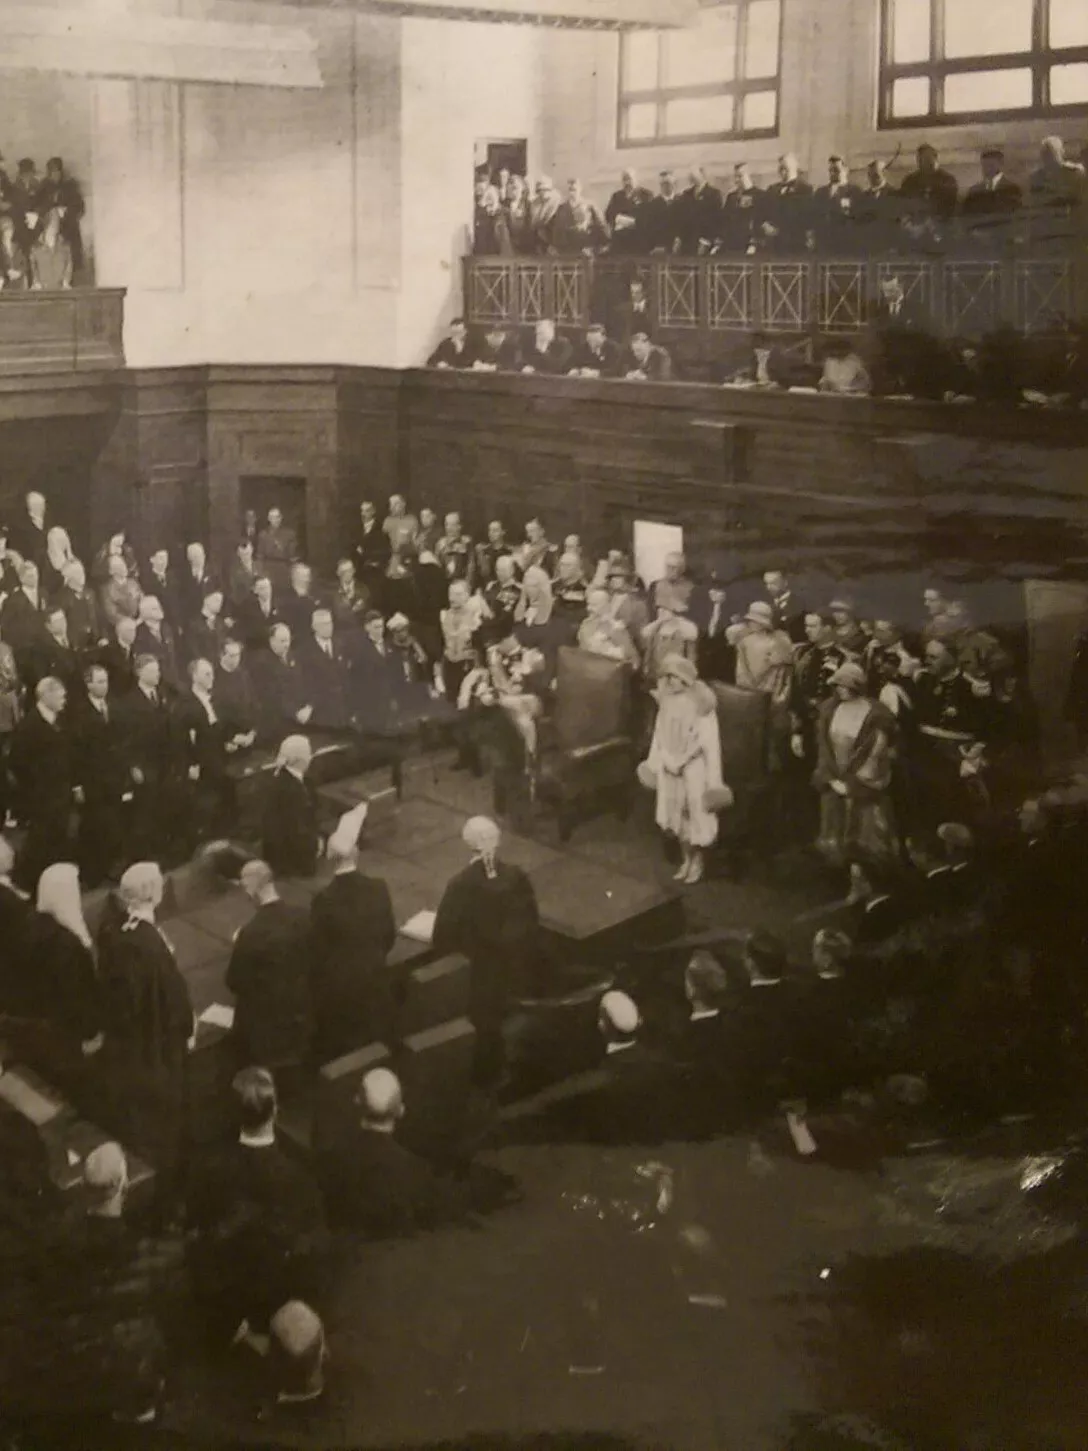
[937, 68]
[738, 88]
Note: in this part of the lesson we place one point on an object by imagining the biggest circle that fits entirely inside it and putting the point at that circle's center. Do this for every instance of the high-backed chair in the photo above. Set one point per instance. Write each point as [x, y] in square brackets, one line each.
[589, 753]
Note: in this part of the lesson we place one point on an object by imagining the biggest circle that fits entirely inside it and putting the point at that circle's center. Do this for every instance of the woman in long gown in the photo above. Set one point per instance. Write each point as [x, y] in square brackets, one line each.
[855, 751]
[684, 765]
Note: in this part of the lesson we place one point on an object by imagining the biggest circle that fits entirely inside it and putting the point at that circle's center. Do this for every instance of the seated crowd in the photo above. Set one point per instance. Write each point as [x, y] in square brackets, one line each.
[925, 213]
[902, 747]
[41, 236]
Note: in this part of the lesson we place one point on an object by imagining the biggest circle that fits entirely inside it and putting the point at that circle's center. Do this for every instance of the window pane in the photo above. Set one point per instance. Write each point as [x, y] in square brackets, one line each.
[988, 91]
[640, 121]
[910, 31]
[640, 60]
[1069, 84]
[1068, 23]
[761, 41]
[910, 97]
[699, 116]
[995, 28]
[759, 111]
[706, 52]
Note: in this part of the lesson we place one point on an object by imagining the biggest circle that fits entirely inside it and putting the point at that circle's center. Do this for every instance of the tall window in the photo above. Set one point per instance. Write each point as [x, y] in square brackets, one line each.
[713, 80]
[952, 60]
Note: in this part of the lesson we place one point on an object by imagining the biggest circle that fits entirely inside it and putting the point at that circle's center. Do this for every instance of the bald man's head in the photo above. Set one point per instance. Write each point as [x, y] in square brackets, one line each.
[381, 1098]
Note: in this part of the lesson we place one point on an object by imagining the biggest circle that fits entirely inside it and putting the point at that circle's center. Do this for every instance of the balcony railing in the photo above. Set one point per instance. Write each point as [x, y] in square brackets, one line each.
[62, 332]
[959, 296]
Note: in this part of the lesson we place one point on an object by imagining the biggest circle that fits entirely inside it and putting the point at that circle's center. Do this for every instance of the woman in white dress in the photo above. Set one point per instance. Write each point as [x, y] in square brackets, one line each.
[684, 766]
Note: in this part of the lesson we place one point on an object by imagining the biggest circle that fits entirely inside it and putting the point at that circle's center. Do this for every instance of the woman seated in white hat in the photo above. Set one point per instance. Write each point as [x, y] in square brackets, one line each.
[684, 765]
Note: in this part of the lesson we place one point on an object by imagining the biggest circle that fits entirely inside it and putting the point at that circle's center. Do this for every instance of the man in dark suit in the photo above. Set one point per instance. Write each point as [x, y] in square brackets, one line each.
[235, 696]
[160, 581]
[327, 667]
[377, 686]
[202, 740]
[596, 356]
[258, 615]
[63, 192]
[290, 832]
[297, 603]
[350, 600]
[633, 314]
[665, 217]
[928, 197]
[29, 534]
[119, 657]
[762, 365]
[700, 216]
[646, 362]
[742, 214]
[547, 353]
[255, 1219]
[268, 975]
[371, 552]
[878, 211]
[155, 637]
[374, 1185]
[150, 750]
[835, 210]
[16, 916]
[102, 775]
[788, 224]
[282, 686]
[626, 215]
[205, 632]
[352, 931]
[55, 655]
[85, 626]
[196, 579]
[991, 203]
[789, 608]
[40, 761]
[22, 617]
[455, 351]
[498, 351]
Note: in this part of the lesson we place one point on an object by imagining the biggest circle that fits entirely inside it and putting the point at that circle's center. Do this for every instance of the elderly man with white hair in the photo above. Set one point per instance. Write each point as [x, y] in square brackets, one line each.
[489, 912]
[148, 1022]
[290, 838]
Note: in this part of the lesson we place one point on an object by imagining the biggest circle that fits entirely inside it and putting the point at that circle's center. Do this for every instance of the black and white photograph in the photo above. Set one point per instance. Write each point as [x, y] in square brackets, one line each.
[544, 725]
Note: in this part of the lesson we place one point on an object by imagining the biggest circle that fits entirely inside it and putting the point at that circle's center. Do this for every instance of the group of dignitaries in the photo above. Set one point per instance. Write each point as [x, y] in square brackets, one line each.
[790, 216]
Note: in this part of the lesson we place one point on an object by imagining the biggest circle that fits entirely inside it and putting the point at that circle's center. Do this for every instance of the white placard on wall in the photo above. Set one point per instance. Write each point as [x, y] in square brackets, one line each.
[652, 543]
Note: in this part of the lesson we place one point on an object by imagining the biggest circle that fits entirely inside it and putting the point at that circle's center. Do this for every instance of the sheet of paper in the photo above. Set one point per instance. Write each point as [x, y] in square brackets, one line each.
[218, 1015]
[35, 1107]
[420, 928]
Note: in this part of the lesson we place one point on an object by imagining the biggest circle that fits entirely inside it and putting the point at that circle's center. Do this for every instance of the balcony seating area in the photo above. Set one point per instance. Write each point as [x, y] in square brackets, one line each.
[75, 330]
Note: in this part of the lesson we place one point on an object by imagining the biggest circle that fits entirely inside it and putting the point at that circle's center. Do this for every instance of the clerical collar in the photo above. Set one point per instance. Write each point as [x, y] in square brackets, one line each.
[344, 869]
[699, 1015]
[620, 1047]
[140, 912]
[756, 979]
[47, 714]
[259, 1138]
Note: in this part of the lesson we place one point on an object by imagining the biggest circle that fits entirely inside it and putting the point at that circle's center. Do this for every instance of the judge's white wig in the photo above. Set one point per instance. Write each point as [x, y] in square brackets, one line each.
[295, 751]
[141, 885]
[619, 1012]
[482, 837]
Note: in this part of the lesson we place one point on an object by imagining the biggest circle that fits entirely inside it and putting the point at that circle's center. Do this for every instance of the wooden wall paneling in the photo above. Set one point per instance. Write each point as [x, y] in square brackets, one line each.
[369, 452]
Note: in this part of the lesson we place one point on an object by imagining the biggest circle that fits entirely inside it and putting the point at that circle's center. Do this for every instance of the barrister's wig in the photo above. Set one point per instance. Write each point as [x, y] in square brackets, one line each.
[141, 884]
[482, 837]
[295, 751]
[620, 1013]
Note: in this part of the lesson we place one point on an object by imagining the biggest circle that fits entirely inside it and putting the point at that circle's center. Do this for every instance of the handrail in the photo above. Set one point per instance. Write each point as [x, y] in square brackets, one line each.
[954, 295]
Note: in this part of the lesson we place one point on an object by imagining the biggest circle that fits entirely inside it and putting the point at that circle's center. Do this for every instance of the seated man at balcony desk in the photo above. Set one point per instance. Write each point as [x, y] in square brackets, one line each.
[664, 216]
[626, 216]
[902, 353]
[596, 356]
[929, 196]
[547, 353]
[646, 362]
[579, 228]
[990, 203]
[700, 216]
[499, 352]
[787, 227]
[761, 365]
[455, 350]
[835, 210]
[844, 372]
[742, 213]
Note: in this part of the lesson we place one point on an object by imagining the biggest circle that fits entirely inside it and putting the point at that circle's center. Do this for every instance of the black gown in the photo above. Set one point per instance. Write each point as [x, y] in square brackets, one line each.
[352, 930]
[290, 840]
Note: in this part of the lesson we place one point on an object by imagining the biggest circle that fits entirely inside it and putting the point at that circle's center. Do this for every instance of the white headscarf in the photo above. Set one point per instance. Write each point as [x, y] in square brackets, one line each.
[482, 837]
[59, 898]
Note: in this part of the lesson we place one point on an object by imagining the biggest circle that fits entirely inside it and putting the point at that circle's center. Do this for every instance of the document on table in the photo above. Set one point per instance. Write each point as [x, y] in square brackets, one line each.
[218, 1015]
[420, 928]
